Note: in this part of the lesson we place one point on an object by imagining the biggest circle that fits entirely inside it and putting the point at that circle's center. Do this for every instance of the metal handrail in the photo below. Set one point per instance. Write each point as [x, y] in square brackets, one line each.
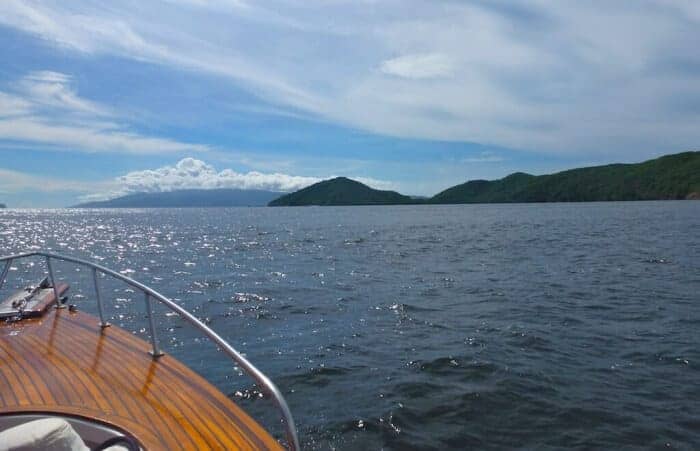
[260, 378]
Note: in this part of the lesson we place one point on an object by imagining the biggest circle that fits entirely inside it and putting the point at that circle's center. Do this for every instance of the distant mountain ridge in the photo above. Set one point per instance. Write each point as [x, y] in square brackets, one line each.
[341, 191]
[669, 177]
[223, 197]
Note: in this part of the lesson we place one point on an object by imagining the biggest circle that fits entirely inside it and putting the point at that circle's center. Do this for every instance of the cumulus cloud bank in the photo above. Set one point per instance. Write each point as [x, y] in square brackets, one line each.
[191, 173]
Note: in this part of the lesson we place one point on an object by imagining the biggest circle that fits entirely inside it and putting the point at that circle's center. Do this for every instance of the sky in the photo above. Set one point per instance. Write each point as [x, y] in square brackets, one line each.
[100, 99]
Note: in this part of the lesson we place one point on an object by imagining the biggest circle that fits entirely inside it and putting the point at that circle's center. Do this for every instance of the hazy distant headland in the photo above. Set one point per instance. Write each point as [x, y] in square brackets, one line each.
[188, 198]
[668, 177]
[3, 206]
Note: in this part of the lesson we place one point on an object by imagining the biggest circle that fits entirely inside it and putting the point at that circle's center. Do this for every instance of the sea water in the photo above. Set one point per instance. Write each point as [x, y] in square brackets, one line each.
[538, 326]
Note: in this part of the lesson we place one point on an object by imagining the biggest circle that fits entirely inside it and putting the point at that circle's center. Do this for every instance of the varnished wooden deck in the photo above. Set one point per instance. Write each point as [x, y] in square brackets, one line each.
[65, 363]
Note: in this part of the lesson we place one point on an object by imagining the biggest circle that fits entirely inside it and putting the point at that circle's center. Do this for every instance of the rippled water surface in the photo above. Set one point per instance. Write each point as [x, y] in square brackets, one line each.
[419, 327]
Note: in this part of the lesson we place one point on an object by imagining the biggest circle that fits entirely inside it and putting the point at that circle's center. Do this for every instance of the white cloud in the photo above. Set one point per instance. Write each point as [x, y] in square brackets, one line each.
[147, 35]
[53, 89]
[561, 76]
[190, 173]
[12, 106]
[212, 4]
[432, 65]
[193, 173]
[88, 137]
[483, 157]
[45, 109]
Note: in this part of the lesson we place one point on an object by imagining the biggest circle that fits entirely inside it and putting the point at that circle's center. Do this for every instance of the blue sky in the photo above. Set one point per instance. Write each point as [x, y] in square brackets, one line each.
[97, 101]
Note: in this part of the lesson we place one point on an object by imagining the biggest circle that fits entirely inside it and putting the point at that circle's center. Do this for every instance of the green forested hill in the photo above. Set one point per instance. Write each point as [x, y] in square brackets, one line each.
[669, 177]
[340, 191]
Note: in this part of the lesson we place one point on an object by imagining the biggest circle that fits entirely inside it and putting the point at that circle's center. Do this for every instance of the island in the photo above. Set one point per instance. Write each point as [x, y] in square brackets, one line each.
[669, 177]
[3, 206]
[223, 197]
[341, 191]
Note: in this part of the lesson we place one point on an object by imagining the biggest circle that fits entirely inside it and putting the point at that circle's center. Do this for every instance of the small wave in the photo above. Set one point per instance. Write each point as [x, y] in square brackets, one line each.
[318, 376]
[410, 308]
[208, 283]
[248, 394]
[414, 390]
[243, 298]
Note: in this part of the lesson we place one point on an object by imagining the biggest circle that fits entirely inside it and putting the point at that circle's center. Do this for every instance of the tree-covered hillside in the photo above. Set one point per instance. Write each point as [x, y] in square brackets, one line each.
[341, 191]
[669, 177]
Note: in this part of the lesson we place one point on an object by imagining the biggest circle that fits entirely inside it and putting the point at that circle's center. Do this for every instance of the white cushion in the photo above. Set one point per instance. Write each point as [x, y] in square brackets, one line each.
[52, 434]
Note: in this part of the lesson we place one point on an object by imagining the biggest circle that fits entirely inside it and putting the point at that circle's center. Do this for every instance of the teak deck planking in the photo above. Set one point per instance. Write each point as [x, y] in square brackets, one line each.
[64, 362]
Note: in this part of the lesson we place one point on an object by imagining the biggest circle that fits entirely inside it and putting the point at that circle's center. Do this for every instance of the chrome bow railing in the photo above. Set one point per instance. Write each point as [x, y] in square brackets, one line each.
[261, 379]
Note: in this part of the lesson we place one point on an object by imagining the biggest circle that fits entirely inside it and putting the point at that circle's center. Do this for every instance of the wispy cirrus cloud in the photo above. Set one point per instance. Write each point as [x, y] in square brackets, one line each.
[11, 105]
[51, 89]
[483, 157]
[421, 66]
[158, 35]
[16, 181]
[44, 109]
[556, 76]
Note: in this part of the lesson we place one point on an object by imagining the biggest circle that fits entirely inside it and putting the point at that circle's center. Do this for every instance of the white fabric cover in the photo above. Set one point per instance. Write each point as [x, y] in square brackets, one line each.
[52, 434]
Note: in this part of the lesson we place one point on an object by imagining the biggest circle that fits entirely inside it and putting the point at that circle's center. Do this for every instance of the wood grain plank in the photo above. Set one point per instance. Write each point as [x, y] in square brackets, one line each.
[64, 362]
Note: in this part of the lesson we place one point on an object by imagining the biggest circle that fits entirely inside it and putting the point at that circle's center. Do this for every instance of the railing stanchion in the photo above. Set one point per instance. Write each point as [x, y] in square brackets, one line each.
[155, 352]
[4, 272]
[53, 283]
[100, 310]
